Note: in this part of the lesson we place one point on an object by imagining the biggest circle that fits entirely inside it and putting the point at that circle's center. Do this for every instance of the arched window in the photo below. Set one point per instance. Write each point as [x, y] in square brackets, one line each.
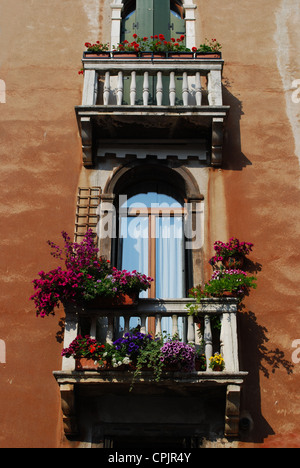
[151, 238]
[150, 205]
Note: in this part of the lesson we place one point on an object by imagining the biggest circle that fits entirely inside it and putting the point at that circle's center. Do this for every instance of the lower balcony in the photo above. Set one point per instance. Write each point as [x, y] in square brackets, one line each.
[195, 401]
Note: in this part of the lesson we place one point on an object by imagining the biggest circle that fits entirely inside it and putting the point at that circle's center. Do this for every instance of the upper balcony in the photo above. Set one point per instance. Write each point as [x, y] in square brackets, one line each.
[162, 98]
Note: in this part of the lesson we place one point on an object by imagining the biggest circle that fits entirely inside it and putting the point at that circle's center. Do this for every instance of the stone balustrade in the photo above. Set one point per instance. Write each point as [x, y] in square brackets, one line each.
[104, 81]
[225, 309]
[230, 379]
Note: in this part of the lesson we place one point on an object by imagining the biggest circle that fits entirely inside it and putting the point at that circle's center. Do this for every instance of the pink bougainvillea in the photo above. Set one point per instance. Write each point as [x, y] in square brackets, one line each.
[84, 277]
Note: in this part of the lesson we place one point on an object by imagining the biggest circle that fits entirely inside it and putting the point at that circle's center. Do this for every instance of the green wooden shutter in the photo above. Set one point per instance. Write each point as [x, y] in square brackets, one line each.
[177, 25]
[128, 27]
[161, 18]
[152, 17]
[144, 17]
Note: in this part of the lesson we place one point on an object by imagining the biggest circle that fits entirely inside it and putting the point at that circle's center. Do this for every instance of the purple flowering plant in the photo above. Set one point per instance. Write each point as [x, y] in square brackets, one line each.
[233, 280]
[84, 277]
[179, 353]
[158, 354]
[132, 343]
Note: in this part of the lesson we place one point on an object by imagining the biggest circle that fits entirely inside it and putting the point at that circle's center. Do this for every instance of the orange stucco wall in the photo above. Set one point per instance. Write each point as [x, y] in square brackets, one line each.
[256, 194]
[261, 180]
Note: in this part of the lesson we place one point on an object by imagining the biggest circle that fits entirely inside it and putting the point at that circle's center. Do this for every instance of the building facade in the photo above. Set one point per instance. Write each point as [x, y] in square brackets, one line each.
[160, 156]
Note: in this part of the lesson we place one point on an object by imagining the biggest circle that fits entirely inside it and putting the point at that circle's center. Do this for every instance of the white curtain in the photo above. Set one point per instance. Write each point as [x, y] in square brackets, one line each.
[134, 256]
[170, 264]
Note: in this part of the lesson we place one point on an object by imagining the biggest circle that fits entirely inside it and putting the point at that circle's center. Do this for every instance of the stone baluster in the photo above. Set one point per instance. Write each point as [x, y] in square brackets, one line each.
[146, 89]
[71, 332]
[158, 331]
[143, 324]
[207, 340]
[126, 324]
[214, 87]
[228, 341]
[133, 88]
[90, 88]
[120, 88]
[190, 330]
[159, 89]
[174, 325]
[185, 89]
[106, 90]
[93, 327]
[172, 89]
[198, 89]
[110, 329]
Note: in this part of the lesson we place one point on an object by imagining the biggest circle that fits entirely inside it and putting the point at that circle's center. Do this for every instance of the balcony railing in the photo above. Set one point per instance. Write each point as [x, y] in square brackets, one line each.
[155, 92]
[231, 378]
[225, 340]
[104, 81]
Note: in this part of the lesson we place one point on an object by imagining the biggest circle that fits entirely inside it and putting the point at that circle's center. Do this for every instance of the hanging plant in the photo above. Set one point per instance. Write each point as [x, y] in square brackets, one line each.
[85, 276]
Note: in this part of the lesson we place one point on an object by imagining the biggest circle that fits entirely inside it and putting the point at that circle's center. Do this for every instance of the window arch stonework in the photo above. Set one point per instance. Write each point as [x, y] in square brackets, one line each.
[183, 183]
[180, 177]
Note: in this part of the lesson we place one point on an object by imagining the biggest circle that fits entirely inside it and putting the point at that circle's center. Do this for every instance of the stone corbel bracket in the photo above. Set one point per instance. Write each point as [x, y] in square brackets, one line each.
[87, 141]
[232, 411]
[68, 410]
[217, 142]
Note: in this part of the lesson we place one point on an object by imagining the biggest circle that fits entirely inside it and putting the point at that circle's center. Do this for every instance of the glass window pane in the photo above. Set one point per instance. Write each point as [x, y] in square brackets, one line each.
[133, 245]
[152, 199]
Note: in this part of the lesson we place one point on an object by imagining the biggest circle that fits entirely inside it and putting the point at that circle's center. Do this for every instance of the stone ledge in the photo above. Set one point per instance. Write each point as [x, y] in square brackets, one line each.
[167, 307]
[123, 377]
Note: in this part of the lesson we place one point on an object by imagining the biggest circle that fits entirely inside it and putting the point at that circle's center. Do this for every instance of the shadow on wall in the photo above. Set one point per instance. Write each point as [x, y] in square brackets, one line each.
[233, 158]
[257, 358]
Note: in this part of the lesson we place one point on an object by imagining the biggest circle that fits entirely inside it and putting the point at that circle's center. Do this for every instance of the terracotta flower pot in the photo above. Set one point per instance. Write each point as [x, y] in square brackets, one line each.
[100, 55]
[200, 365]
[127, 55]
[86, 364]
[234, 262]
[121, 300]
[217, 369]
[159, 55]
[145, 54]
[184, 55]
[204, 55]
[229, 294]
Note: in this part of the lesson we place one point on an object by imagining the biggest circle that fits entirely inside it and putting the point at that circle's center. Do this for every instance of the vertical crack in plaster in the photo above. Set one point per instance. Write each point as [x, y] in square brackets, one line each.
[287, 16]
[92, 10]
